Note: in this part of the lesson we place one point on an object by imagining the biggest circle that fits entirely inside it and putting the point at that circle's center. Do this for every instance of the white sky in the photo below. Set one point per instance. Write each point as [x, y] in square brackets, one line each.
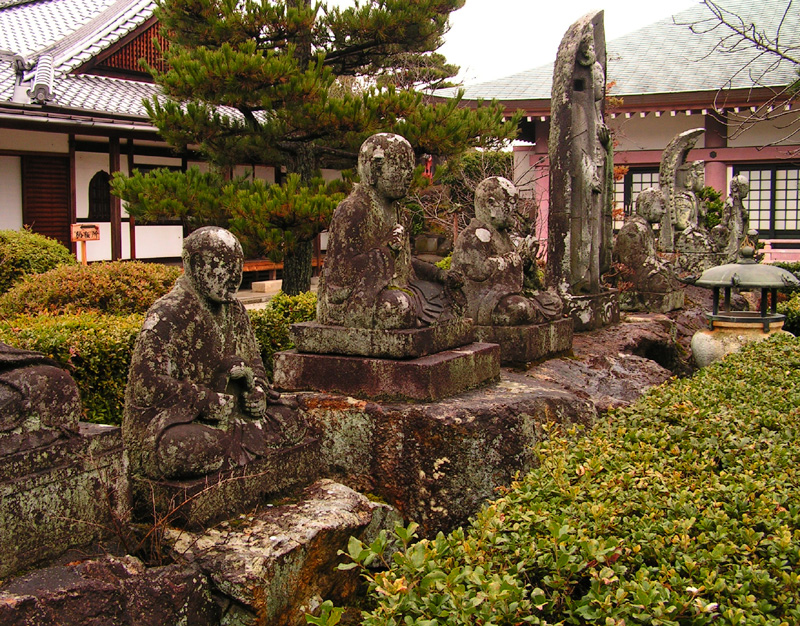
[494, 38]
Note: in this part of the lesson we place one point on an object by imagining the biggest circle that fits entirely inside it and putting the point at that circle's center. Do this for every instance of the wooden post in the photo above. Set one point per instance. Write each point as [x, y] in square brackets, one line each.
[116, 209]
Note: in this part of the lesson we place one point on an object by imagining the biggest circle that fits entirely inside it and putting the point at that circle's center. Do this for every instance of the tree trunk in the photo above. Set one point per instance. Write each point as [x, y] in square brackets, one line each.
[297, 268]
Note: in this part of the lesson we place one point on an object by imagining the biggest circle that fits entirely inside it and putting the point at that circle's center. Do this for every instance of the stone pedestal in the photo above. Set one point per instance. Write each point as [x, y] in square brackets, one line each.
[382, 344]
[222, 495]
[728, 337]
[523, 344]
[593, 311]
[650, 302]
[276, 565]
[424, 379]
[59, 496]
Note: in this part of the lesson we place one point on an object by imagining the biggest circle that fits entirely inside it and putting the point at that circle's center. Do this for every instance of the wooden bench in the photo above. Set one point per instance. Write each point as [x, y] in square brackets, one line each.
[271, 267]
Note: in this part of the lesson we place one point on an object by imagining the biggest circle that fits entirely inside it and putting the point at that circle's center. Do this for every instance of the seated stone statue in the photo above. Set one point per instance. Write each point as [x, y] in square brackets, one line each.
[197, 395]
[370, 279]
[39, 401]
[485, 255]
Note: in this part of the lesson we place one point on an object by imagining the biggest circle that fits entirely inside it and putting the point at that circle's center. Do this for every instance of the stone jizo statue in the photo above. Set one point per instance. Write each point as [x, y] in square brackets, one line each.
[198, 400]
[370, 279]
[39, 401]
[491, 265]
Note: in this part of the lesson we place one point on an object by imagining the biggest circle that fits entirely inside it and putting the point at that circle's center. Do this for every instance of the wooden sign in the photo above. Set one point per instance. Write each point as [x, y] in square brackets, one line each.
[85, 232]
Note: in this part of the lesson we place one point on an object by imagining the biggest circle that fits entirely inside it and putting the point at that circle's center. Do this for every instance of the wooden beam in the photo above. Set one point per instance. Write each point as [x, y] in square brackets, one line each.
[116, 207]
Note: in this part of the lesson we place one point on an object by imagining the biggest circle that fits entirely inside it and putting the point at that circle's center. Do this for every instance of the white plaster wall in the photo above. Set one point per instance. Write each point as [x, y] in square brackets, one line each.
[30, 141]
[87, 164]
[651, 132]
[10, 193]
[765, 133]
[152, 242]
[139, 159]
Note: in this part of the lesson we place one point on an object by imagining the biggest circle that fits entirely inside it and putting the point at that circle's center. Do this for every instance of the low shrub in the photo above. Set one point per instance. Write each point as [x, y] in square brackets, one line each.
[117, 287]
[94, 348]
[271, 324]
[791, 309]
[23, 252]
[681, 509]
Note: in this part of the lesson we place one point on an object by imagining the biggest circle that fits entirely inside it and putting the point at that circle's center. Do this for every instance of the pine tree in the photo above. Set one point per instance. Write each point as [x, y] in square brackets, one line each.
[298, 87]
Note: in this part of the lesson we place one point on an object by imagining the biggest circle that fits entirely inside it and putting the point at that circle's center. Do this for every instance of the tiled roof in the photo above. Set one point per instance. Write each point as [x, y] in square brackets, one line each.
[666, 57]
[67, 34]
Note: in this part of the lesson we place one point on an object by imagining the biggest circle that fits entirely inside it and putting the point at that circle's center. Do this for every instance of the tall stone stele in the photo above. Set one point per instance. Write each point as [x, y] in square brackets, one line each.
[581, 176]
[527, 326]
[378, 303]
[198, 405]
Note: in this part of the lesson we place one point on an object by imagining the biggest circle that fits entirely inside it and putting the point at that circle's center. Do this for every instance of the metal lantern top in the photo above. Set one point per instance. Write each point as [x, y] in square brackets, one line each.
[747, 274]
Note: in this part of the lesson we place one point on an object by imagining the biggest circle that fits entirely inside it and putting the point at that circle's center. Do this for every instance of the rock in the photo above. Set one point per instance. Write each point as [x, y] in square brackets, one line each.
[276, 565]
[109, 591]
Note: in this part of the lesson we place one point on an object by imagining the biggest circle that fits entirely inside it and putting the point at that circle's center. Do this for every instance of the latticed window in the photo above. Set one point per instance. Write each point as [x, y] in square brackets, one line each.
[773, 200]
[626, 189]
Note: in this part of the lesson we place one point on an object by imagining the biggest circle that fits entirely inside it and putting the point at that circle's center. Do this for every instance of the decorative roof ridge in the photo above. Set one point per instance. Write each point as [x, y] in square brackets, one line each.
[125, 14]
[7, 4]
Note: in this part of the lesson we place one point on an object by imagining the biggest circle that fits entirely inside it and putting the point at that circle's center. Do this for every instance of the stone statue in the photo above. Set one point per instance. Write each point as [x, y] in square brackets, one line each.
[39, 401]
[491, 265]
[580, 228]
[197, 399]
[736, 217]
[370, 279]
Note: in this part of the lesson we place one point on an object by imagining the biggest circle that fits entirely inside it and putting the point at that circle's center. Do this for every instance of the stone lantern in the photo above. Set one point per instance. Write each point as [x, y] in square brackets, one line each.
[730, 330]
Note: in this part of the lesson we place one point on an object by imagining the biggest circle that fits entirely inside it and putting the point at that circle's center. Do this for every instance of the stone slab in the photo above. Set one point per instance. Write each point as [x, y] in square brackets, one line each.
[649, 302]
[592, 311]
[411, 343]
[278, 564]
[222, 495]
[59, 496]
[109, 590]
[523, 344]
[424, 379]
[439, 462]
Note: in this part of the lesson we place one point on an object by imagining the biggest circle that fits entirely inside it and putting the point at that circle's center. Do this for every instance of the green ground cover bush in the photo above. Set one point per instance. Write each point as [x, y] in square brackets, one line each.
[116, 287]
[23, 252]
[271, 324]
[96, 348]
[791, 309]
[681, 509]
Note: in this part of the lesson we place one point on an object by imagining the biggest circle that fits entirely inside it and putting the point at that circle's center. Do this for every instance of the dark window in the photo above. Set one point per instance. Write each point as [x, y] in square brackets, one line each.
[626, 189]
[100, 197]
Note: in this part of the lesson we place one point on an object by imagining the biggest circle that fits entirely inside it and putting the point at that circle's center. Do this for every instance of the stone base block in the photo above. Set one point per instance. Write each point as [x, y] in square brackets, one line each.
[648, 302]
[593, 311]
[409, 343]
[59, 496]
[523, 344]
[277, 565]
[202, 501]
[426, 379]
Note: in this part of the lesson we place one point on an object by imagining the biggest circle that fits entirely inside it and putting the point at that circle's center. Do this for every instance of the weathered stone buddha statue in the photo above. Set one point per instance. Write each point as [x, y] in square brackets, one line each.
[197, 399]
[370, 279]
[490, 263]
[39, 401]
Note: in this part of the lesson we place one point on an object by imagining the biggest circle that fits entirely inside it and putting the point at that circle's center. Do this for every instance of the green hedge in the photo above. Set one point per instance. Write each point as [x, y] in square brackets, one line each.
[117, 287]
[95, 349]
[682, 509]
[23, 252]
[791, 309]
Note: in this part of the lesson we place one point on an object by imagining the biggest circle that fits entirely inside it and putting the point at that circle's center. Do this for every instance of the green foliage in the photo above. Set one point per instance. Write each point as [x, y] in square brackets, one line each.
[117, 287]
[23, 252]
[791, 309]
[445, 263]
[794, 268]
[682, 509]
[96, 350]
[714, 205]
[271, 324]
[463, 173]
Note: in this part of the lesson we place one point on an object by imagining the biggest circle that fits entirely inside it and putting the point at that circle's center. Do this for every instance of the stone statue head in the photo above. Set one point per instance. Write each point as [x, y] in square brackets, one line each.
[212, 260]
[586, 55]
[740, 187]
[691, 176]
[495, 202]
[386, 163]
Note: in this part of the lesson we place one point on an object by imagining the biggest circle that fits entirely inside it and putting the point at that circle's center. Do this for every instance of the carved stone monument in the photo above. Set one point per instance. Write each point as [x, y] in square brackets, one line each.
[581, 177]
[388, 325]
[198, 405]
[527, 326]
